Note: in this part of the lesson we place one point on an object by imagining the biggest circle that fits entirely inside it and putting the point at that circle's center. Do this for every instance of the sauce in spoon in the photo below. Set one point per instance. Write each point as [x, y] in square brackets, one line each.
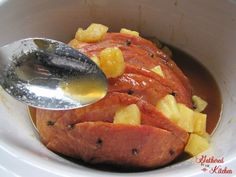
[84, 89]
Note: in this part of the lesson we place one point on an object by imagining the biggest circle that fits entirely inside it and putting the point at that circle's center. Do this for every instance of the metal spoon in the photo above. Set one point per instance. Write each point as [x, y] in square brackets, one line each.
[49, 74]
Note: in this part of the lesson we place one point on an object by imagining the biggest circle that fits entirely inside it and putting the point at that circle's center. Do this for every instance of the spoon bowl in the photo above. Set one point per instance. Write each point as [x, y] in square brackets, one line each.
[49, 74]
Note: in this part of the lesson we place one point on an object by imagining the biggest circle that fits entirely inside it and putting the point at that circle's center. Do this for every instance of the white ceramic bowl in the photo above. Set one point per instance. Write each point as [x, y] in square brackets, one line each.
[204, 29]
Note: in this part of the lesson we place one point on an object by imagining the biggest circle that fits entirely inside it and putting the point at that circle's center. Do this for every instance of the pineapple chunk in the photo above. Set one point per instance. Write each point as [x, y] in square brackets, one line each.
[112, 62]
[73, 43]
[95, 59]
[199, 123]
[196, 144]
[206, 136]
[199, 103]
[127, 31]
[158, 70]
[128, 115]
[186, 117]
[93, 33]
[168, 107]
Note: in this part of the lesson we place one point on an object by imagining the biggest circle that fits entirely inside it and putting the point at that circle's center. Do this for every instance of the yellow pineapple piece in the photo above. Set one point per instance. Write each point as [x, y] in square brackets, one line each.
[93, 33]
[127, 31]
[158, 70]
[199, 103]
[95, 59]
[128, 115]
[199, 123]
[112, 62]
[74, 43]
[196, 145]
[168, 107]
[207, 136]
[186, 118]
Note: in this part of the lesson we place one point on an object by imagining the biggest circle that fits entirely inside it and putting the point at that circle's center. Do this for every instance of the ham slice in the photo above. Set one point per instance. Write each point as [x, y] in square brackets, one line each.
[89, 134]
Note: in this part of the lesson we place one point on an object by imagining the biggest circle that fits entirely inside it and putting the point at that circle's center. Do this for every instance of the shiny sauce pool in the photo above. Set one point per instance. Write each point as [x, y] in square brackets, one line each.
[203, 85]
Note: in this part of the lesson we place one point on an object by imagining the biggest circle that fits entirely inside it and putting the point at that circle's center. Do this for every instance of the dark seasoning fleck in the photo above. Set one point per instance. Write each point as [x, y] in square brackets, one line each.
[135, 152]
[70, 126]
[173, 93]
[171, 152]
[194, 106]
[130, 92]
[50, 123]
[99, 142]
[151, 55]
[128, 42]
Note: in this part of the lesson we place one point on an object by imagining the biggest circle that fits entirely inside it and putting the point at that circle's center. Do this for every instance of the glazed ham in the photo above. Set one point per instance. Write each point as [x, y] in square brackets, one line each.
[140, 56]
[89, 133]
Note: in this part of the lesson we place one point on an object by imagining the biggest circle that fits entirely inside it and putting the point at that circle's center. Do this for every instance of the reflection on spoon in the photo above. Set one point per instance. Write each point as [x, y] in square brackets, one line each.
[48, 74]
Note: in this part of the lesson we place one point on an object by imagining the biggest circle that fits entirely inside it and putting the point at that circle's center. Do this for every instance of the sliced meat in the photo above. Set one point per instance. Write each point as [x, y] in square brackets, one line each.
[99, 142]
[142, 53]
[181, 94]
[137, 51]
[88, 133]
[75, 133]
[140, 86]
[104, 110]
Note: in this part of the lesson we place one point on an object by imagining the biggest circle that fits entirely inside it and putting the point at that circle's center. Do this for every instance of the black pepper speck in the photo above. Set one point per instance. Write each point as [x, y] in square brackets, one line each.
[171, 152]
[99, 142]
[130, 92]
[50, 123]
[71, 126]
[173, 93]
[151, 55]
[135, 152]
[194, 106]
[128, 42]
